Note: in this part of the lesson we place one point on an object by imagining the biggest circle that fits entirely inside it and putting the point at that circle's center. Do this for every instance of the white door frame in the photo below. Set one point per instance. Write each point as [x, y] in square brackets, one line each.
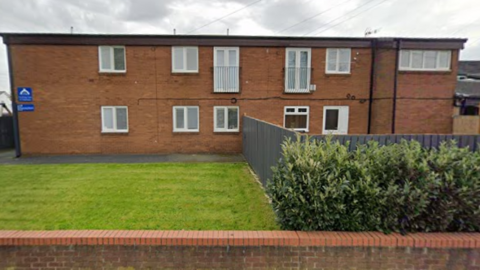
[343, 116]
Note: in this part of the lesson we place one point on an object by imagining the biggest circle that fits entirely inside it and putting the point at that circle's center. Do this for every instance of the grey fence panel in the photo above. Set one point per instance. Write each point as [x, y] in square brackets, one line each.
[467, 141]
[6, 132]
[470, 142]
[262, 143]
[353, 143]
[475, 143]
[441, 138]
[448, 137]
[427, 142]
[419, 138]
[434, 141]
[459, 139]
[464, 140]
[361, 140]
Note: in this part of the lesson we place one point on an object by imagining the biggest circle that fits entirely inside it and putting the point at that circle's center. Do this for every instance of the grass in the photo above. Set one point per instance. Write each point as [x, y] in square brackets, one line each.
[167, 196]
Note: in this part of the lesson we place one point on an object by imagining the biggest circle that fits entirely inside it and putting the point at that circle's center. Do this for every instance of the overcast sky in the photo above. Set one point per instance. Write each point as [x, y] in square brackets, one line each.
[404, 18]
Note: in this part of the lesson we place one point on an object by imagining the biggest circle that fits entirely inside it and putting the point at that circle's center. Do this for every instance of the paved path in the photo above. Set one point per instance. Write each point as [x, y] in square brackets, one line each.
[8, 157]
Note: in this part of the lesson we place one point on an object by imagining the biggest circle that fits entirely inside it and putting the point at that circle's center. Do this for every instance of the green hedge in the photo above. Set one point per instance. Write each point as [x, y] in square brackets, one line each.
[320, 185]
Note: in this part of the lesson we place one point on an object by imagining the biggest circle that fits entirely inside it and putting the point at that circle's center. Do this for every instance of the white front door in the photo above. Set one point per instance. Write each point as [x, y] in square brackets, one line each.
[335, 120]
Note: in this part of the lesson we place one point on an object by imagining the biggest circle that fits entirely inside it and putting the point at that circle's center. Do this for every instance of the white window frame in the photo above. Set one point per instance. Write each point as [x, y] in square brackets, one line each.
[337, 62]
[339, 108]
[285, 113]
[184, 51]
[297, 65]
[437, 62]
[114, 130]
[112, 59]
[185, 119]
[237, 86]
[226, 129]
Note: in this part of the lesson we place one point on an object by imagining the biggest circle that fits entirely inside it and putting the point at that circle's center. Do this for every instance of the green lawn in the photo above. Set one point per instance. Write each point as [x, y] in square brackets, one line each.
[167, 196]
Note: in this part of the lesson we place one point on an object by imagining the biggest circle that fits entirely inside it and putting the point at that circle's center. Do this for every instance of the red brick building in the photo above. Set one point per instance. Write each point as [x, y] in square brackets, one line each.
[186, 94]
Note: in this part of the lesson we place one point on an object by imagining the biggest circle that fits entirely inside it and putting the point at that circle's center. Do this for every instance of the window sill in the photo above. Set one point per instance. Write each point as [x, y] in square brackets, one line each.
[113, 73]
[298, 130]
[173, 73]
[218, 92]
[333, 133]
[406, 71]
[236, 132]
[119, 133]
[300, 93]
[186, 132]
[338, 74]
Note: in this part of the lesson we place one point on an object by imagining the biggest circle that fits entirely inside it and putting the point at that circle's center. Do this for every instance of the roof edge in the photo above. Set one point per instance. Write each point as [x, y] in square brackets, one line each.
[217, 40]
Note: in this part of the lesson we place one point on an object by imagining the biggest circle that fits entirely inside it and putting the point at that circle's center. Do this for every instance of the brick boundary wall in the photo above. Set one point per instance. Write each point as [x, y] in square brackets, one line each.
[236, 250]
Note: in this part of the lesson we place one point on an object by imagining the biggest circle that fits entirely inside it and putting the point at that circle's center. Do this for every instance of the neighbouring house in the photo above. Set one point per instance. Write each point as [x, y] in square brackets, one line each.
[466, 119]
[469, 70]
[186, 94]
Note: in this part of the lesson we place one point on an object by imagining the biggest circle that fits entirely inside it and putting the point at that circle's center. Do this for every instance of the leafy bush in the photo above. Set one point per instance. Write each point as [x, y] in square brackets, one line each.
[320, 185]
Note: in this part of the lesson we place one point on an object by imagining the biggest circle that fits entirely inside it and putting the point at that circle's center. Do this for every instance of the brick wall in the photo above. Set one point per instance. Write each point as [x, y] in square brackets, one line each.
[236, 250]
[382, 105]
[424, 99]
[69, 91]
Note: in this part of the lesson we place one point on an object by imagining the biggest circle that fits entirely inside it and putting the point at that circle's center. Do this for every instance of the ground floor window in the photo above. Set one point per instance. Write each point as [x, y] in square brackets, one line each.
[114, 119]
[296, 118]
[335, 120]
[185, 119]
[225, 119]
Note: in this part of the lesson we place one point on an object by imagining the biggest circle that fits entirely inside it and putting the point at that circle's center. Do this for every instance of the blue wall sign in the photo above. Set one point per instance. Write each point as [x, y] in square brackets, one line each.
[25, 94]
[26, 107]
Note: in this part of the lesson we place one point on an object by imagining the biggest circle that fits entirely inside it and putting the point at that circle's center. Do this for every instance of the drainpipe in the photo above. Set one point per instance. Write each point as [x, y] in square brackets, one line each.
[395, 82]
[372, 78]
[16, 131]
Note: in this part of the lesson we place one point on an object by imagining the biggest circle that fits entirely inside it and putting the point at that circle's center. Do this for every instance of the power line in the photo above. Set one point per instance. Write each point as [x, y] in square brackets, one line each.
[352, 16]
[464, 27]
[221, 18]
[340, 16]
[314, 16]
[474, 41]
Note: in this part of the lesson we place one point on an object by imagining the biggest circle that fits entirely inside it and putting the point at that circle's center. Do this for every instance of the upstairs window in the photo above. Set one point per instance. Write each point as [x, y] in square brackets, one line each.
[338, 61]
[114, 119]
[297, 70]
[226, 70]
[425, 60]
[112, 59]
[185, 119]
[296, 118]
[184, 59]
